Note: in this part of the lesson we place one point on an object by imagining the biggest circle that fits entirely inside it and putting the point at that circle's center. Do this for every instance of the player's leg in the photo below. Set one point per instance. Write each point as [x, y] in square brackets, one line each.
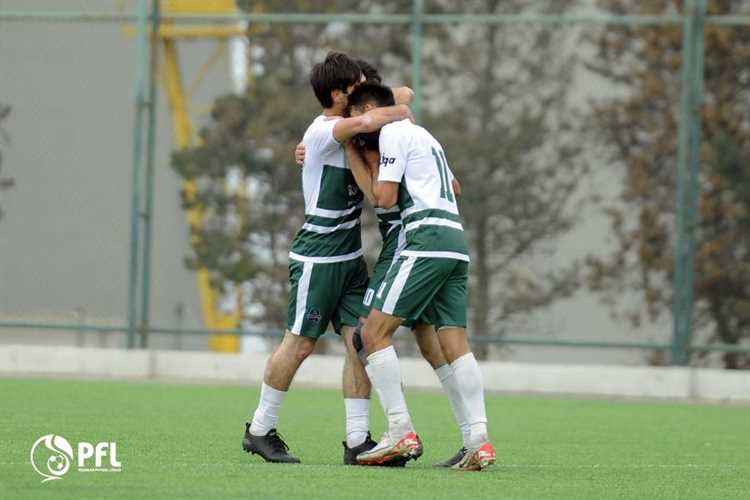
[356, 387]
[355, 382]
[400, 441]
[449, 306]
[469, 383]
[280, 369]
[407, 289]
[308, 317]
[429, 346]
[260, 434]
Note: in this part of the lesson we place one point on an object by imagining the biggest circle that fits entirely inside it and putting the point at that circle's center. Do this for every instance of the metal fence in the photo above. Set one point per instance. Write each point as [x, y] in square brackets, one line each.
[147, 20]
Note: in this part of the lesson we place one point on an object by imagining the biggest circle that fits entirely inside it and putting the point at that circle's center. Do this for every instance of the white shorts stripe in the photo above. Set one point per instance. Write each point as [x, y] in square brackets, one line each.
[436, 255]
[326, 260]
[398, 285]
[301, 304]
[434, 221]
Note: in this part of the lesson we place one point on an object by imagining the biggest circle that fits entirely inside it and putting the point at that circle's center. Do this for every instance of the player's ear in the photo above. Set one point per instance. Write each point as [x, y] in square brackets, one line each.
[338, 96]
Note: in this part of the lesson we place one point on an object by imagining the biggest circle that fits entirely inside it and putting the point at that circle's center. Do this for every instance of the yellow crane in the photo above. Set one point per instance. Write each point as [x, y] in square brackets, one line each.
[179, 104]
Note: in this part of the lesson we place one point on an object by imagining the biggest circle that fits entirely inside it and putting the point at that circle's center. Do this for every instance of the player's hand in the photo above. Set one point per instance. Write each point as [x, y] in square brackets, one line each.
[299, 154]
[403, 95]
[456, 187]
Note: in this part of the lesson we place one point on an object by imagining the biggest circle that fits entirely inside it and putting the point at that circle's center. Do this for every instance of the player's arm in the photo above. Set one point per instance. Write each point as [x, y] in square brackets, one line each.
[346, 128]
[360, 171]
[402, 95]
[456, 187]
[386, 193]
[373, 165]
[393, 155]
[299, 154]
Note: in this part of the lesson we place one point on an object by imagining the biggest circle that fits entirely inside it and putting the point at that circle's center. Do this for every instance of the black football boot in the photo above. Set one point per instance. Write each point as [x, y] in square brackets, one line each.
[452, 460]
[271, 447]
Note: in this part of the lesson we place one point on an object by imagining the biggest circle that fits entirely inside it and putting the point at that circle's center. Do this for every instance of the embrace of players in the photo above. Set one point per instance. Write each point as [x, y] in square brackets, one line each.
[366, 145]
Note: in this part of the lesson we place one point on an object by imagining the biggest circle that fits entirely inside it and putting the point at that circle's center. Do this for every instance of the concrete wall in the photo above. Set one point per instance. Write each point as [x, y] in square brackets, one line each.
[325, 371]
[64, 241]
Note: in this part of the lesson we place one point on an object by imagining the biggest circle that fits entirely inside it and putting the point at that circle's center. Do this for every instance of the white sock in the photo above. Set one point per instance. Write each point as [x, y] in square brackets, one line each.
[267, 414]
[450, 386]
[470, 386]
[357, 421]
[385, 374]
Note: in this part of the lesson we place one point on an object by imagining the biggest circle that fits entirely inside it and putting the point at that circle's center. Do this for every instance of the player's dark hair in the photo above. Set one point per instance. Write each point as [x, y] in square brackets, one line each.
[374, 93]
[369, 141]
[336, 72]
[371, 74]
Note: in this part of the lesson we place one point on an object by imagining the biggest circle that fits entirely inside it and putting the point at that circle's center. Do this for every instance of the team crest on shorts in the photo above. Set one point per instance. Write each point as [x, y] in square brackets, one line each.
[313, 315]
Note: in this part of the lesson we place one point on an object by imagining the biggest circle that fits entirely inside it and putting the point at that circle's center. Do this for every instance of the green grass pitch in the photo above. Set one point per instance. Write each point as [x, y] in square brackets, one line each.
[184, 441]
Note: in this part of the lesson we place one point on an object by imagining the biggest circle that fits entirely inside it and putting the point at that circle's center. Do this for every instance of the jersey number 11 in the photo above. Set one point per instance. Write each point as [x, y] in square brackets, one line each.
[445, 184]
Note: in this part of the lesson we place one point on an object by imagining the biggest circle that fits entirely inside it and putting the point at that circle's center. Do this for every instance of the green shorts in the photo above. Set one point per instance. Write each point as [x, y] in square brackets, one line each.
[384, 262]
[325, 293]
[419, 286]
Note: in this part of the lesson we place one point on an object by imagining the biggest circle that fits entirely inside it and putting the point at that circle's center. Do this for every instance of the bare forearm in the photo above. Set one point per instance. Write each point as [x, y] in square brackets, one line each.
[361, 173]
[376, 118]
[371, 121]
[375, 185]
[372, 161]
[379, 189]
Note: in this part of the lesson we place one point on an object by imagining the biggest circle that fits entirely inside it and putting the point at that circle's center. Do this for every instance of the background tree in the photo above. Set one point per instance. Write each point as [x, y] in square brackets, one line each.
[250, 220]
[509, 137]
[5, 182]
[496, 97]
[641, 126]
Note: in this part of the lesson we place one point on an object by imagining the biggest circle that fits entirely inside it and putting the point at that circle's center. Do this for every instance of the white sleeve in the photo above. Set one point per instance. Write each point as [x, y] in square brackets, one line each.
[321, 137]
[393, 155]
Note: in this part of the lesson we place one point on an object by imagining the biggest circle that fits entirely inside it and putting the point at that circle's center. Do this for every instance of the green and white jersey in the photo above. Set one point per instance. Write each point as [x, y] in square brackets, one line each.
[333, 201]
[391, 230]
[389, 220]
[411, 156]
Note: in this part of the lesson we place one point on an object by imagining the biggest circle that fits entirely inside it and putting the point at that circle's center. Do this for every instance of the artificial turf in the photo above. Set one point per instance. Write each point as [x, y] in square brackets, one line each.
[184, 441]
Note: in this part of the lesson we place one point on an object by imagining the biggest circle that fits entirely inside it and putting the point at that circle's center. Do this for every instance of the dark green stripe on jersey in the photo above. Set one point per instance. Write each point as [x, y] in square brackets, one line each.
[341, 242]
[435, 238]
[338, 189]
[430, 238]
[404, 198]
[332, 221]
[386, 221]
[432, 212]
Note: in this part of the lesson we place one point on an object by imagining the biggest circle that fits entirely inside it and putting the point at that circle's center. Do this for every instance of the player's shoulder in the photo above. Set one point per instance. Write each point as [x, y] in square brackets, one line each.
[321, 125]
[319, 139]
[398, 126]
[399, 129]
